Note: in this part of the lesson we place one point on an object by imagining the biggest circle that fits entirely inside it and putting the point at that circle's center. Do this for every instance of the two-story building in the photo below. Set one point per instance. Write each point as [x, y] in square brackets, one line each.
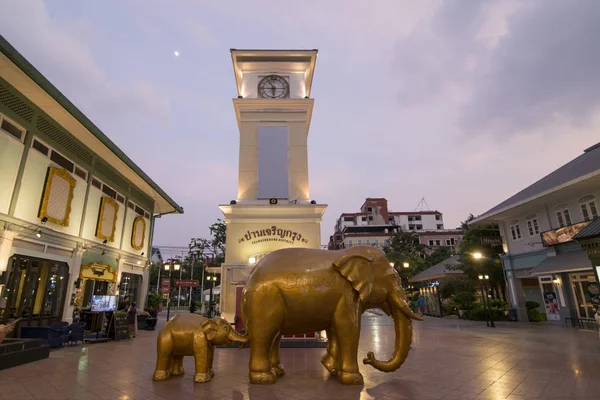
[542, 262]
[76, 214]
[374, 225]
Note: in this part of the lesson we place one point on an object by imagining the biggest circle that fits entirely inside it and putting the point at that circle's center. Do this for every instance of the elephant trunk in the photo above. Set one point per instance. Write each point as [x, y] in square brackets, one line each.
[402, 316]
[234, 336]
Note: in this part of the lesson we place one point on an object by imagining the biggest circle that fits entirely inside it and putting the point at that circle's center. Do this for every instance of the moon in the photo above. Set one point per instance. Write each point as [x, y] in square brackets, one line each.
[176, 53]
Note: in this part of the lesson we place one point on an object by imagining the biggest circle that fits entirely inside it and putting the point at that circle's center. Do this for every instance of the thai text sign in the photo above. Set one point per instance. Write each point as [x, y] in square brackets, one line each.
[491, 241]
[562, 235]
[273, 234]
[187, 283]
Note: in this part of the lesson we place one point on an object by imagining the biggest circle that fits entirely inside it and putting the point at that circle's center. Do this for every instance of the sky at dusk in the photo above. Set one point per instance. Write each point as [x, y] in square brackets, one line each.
[461, 102]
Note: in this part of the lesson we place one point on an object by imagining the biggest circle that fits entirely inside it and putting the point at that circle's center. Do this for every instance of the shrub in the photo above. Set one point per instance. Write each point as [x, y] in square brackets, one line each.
[154, 300]
[534, 315]
[498, 303]
[463, 301]
[495, 313]
[530, 305]
[451, 286]
[415, 296]
[477, 313]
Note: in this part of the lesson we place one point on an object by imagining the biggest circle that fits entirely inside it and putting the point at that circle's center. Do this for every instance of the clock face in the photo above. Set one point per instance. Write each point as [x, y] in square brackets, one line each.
[273, 87]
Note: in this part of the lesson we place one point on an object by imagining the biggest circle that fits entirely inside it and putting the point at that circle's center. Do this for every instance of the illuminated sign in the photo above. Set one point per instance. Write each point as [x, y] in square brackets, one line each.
[273, 234]
[562, 235]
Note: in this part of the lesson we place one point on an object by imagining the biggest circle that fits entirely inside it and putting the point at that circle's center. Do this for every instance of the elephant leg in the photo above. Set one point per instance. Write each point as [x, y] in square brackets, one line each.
[163, 358]
[176, 366]
[275, 362]
[330, 358]
[201, 358]
[347, 329]
[260, 363]
[211, 357]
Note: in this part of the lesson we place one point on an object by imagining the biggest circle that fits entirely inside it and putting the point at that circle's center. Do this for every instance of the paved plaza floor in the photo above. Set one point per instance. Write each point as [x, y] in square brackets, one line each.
[450, 359]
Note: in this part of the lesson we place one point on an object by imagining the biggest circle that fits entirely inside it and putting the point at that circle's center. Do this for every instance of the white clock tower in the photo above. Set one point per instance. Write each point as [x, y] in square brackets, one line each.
[273, 209]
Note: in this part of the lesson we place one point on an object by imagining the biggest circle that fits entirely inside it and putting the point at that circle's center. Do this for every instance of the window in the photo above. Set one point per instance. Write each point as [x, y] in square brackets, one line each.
[130, 205]
[11, 128]
[391, 218]
[59, 159]
[369, 209]
[438, 243]
[363, 218]
[376, 243]
[368, 242]
[438, 217]
[431, 242]
[107, 190]
[417, 217]
[359, 242]
[39, 146]
[588, 208]
[532, 226]
[440, 226]
[515, 232]
[450, 242]
[563, 217]
[370, 218]
[411, 227]
[419, 227]
[349, 243]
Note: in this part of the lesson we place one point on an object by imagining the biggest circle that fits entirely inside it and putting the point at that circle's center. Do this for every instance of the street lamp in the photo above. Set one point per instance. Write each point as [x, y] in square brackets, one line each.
[210, 296]
[477, 256]
[405, 264]
[168, 268]
[489, 321]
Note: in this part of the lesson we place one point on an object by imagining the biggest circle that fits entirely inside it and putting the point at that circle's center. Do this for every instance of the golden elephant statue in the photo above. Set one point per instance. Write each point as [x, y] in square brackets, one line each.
[296, 291]
[192, 335]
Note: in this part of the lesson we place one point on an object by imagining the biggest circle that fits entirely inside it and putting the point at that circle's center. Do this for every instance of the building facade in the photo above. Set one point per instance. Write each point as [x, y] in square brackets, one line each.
[542, 261]
[273, 208]
[374, 225]
[76, 214]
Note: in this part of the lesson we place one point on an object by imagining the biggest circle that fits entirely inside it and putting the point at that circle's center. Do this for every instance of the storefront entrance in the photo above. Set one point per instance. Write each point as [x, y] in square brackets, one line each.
[35, 290]
[580, 282]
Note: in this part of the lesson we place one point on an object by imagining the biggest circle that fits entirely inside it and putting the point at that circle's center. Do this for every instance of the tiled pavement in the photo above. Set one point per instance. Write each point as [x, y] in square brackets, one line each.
[449, 359]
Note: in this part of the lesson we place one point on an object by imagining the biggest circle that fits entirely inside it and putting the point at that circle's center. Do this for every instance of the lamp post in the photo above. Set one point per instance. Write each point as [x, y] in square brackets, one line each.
[176, 267]
[210, 296]
[489, 321]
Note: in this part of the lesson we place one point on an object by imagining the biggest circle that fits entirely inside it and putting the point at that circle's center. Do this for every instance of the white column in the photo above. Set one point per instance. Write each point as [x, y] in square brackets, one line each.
[74, 269]
[6, 242]
[144, 289]
[120, 267]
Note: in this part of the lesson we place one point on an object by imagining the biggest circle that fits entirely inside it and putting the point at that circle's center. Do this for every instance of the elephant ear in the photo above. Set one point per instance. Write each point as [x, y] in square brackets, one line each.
[210, 329]
[357, 270]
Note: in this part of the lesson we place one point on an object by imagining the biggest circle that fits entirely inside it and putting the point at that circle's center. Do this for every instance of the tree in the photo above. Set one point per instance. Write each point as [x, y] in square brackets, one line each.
[404, 247]
[489, 263]
[218, 231]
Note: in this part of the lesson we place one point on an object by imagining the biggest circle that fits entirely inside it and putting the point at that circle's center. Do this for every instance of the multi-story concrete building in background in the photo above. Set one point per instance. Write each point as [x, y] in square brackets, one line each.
[542, 261]
[374, 225]
[76, 214]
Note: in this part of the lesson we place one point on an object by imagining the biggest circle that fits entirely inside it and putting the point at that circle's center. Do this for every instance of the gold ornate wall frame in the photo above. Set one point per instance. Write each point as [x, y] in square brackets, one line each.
[139, 225]
[98, 271]
[57, 196]
[107, 206]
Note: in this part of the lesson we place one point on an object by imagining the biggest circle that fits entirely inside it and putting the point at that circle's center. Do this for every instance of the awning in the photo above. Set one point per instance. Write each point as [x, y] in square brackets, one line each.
[438, 271]
[563, 262]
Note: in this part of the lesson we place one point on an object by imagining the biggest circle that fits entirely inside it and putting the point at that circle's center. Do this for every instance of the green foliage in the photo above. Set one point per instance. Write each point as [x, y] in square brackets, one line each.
[499, 304]
[415, 296]
[530, 305]
[463, 301]
[477, 313]
[495, 313]
[154, 300]
[534, 315]
[451, 286]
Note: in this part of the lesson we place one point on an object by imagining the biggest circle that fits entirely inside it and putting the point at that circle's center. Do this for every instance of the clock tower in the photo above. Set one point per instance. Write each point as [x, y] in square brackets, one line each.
[273, 208]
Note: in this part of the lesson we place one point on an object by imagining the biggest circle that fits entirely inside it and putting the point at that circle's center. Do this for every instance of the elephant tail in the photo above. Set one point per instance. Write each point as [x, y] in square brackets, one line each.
[243, 316]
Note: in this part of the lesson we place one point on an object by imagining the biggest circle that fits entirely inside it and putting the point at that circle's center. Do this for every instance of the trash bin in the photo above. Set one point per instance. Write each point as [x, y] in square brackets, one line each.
[512, 314]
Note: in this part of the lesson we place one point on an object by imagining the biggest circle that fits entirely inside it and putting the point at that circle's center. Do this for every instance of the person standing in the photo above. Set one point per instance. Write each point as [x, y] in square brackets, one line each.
[131, 316]
[421, 305]
[123, 305]
[193, 307]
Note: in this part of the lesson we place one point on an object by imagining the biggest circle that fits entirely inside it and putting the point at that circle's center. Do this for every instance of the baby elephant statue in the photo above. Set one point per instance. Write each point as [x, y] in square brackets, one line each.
[192, 335]
[295, 291]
